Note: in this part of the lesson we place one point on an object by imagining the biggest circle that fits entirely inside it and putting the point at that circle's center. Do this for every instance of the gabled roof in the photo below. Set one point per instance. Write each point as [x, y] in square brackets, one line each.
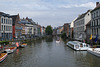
[82, 15]
[4, 14]
[30, 21]
[14, 17]
[97, 7]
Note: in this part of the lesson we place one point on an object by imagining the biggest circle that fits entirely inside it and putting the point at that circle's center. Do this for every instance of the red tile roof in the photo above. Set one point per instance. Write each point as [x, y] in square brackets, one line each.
[97, 6]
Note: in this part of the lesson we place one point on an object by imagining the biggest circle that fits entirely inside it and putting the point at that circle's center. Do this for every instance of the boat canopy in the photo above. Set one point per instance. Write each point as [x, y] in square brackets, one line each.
[73, 42]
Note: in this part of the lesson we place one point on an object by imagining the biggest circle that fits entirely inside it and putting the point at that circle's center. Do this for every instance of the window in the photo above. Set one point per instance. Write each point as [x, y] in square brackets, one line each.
[97, 31]
[4, 27]
[92, 31]
[94, 15]
[6, 21]
[97, 22]
[11, 22]
[8, 28]
[2, 20]
[97, 14]
[93, 23]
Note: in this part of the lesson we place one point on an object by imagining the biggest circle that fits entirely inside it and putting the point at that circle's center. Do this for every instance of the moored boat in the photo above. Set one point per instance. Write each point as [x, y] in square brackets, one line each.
[3, 56]
[94, 51]
[23, 45]
[57, 41]
[76, 45]
[10, 49]
[17, 44]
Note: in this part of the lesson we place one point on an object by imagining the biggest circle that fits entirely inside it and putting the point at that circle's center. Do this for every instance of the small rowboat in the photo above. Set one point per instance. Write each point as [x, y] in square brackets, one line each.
[57, 41]
[10, 50]
[23, 45]
[3, 56]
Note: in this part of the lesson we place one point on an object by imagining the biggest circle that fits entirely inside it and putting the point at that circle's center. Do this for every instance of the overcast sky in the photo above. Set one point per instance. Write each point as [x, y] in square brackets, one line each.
[47, 12]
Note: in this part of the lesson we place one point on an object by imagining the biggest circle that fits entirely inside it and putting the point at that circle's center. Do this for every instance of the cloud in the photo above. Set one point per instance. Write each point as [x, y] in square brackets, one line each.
[86, 5]
[52, 12]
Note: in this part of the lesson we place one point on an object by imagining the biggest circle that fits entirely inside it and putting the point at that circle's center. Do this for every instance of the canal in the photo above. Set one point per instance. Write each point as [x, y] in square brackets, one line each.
[48, 53]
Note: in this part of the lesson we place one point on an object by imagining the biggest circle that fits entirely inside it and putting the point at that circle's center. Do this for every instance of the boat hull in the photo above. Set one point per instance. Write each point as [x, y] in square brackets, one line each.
[10, 50]
[23, 45]
[76, 46]
[94, 53]
[57, 41]
[3, 57]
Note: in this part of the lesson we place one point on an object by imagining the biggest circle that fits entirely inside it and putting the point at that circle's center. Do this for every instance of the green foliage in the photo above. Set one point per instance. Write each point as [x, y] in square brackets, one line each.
[49, 30]
[64, 35]
[2, 42]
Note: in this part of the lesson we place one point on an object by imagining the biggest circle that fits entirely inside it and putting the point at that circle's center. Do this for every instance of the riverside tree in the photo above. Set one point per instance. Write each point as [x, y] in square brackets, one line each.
[49, 30]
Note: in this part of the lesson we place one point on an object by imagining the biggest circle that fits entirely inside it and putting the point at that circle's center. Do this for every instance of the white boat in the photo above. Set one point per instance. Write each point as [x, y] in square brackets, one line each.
[76, 45]
[94, 51]
[57, 41]
[10, 50]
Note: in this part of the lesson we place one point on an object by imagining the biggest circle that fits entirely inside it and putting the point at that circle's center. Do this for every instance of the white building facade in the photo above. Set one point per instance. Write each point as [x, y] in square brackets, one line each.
[80, 25]
[6, 26]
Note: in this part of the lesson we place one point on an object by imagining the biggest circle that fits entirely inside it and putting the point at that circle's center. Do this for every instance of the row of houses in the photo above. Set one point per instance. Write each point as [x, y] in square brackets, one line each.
[12, 27]
[85, 25]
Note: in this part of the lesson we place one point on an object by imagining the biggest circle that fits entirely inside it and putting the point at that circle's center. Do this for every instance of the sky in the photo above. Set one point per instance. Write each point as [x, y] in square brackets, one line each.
[48, 12]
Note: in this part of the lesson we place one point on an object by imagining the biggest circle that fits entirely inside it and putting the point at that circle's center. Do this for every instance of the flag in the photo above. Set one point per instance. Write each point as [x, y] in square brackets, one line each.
[91, 37]
[96, 38]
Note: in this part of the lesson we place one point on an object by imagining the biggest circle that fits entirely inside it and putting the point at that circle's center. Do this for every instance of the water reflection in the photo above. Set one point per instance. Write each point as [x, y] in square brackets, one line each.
[49, 39]
[17, 51]
[46, 53]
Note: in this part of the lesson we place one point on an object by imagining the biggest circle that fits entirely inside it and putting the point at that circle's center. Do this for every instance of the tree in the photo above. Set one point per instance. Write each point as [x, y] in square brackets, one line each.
[64, 35]
[49, 30]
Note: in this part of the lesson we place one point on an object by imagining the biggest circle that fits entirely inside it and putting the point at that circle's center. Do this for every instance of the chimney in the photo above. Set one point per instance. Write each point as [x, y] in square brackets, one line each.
[97, 3]
[26, 18]
[23, 17]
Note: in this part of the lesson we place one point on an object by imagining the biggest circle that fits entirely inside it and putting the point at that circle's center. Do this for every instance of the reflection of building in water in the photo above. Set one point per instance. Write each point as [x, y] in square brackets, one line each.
[17, 51]
[82, 53]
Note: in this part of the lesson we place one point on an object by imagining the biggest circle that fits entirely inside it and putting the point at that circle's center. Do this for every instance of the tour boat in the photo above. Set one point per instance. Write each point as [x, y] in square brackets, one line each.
[23, 45]
[94, 51]
[10, 50]
[57, 41]
[3, 56]
[76, 45]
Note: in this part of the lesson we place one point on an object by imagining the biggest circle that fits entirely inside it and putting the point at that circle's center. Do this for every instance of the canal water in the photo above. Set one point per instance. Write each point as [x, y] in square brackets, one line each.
[48, 53]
